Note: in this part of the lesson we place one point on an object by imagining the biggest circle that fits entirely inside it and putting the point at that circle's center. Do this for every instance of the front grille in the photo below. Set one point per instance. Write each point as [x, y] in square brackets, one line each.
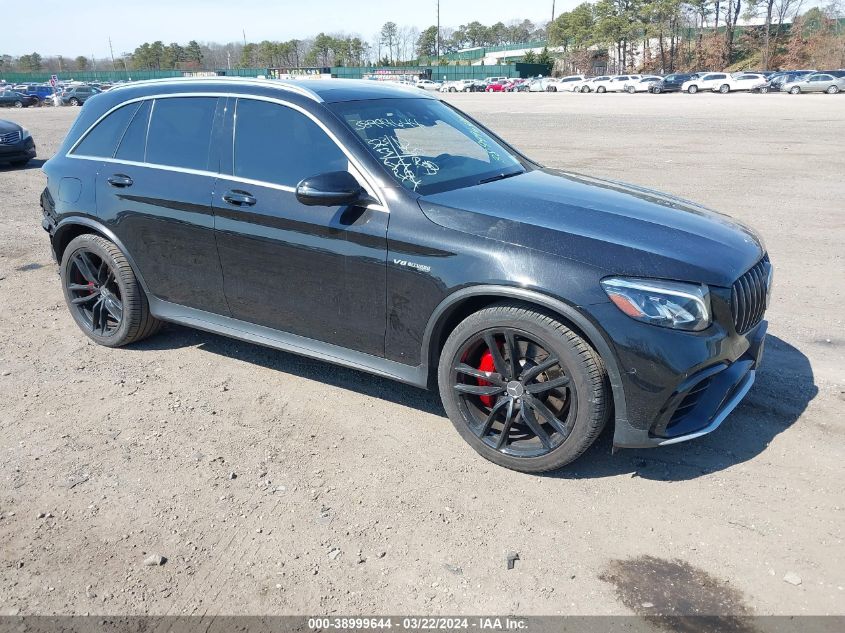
[689, 402]
[748, 297]
[10, 138]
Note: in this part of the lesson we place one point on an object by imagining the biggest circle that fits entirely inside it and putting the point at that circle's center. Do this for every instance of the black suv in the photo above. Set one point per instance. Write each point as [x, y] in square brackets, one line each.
[377, 227]
[672, 83]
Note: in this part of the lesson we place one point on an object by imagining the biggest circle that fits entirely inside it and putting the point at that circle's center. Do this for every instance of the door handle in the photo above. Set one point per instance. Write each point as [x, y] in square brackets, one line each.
[120, 180]
[239, 198]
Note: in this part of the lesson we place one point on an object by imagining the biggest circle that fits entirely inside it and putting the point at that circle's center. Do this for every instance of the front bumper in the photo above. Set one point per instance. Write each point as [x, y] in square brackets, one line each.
[24, 150]
[678, 385]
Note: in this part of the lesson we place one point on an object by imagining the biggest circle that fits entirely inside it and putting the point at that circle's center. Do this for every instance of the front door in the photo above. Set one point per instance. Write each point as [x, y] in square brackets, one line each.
[318, 272]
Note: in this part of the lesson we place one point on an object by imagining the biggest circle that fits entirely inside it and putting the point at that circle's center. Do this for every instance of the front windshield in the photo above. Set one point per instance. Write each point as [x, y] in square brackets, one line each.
[426, 146]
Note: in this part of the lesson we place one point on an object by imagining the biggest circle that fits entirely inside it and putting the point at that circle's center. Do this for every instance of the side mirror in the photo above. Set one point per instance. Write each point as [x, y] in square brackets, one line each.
[333, 189]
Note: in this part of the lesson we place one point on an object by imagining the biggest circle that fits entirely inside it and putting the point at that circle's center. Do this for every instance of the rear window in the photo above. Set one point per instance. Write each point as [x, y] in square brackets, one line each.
[103, 139]
[180, 132]
[134, 142]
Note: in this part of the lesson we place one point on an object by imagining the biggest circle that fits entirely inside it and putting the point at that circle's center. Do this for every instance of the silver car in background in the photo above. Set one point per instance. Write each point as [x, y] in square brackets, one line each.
[817, 82]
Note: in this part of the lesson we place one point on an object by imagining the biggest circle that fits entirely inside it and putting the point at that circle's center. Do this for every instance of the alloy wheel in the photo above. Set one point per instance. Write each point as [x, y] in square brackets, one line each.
[514, 394]
[94, 293]
[18, 104]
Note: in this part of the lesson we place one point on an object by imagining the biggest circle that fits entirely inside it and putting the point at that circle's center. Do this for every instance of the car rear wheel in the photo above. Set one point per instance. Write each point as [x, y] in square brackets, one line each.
[585, 89]
[630, 90]
[74, 101]
[18, 104]
[795, 90]
[103, 295]
[656, 90]
[832, 90]
[692, 90]
[724, 89]
[764, 90]
[522, 389]
[601, 89]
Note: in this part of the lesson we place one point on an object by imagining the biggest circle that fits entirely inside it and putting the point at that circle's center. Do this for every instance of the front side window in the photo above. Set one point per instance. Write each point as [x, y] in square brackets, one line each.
[180, 132]
[426, 146]
[279, 145]
[103, 139]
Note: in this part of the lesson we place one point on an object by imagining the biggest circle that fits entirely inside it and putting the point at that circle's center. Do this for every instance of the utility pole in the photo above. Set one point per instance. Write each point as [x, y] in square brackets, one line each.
[437, 45]
[244, 34]
[111, 50]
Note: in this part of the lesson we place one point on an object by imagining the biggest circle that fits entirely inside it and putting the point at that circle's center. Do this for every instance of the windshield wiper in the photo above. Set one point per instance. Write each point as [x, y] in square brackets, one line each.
[500, 177]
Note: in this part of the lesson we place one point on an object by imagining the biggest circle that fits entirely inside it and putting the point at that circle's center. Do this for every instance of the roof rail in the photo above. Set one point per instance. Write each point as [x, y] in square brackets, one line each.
[274, 83]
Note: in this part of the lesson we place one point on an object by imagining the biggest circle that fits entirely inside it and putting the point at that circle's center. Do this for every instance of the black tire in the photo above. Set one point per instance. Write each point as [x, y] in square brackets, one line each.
[764, 90]
[115, 276]
[832, 90]
[18, 104]
[585, 89]
[74, 101]
[724, 89]
[656, 90]
[630, 90]
[795, 90]
[692, 89]
[601, 89]
[581, 394]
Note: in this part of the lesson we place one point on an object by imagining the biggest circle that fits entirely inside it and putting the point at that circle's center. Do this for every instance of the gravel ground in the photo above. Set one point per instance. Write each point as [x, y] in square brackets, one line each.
[274, 484]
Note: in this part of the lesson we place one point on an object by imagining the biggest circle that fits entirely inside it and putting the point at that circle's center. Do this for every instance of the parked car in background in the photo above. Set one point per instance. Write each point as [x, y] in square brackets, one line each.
[496, 86]
[11, 99]
[565, 84]
[671, 83]
[743, 81]
[592, 85]
[536, 85]
[77, 95]
[776, 81]
[428, 84]
[817, 82]
[617, 84]
[643, 84]
[43, 92]
[707, 81]
[601, 84]
[16, 144]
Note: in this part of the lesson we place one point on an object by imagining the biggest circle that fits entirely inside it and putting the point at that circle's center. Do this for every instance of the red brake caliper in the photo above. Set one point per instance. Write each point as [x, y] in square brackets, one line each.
[486, 364]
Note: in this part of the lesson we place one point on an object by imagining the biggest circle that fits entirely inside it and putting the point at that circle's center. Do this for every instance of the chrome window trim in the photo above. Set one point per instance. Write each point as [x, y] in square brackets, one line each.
[373, 186]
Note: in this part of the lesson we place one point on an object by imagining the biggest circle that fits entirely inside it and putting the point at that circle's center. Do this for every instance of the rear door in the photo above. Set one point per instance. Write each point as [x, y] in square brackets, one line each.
[155, 193]
[317, 272]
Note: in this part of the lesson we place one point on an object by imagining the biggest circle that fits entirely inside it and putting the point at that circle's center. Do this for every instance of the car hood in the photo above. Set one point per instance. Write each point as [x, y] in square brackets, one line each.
[8, 126]
[616, 227]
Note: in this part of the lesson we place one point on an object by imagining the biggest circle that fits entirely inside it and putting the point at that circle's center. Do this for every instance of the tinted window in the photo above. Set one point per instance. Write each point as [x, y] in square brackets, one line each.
[103, 139]
[279, 145]
[134, 141]
[180, 132]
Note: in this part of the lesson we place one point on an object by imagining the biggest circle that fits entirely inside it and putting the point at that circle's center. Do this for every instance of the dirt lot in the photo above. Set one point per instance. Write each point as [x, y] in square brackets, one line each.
[246, 468]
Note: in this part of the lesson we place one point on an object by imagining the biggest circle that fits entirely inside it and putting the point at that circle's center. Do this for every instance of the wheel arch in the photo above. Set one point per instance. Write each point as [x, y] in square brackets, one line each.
[74, 226]
[460, 304]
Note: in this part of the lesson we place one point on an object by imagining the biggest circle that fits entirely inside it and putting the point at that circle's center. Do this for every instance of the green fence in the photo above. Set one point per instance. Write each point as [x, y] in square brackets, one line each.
[439, 73]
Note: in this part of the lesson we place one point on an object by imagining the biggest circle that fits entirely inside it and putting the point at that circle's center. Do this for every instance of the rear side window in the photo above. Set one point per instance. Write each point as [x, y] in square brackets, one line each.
[134, 141]
[180, 132]
[277, 144]
[103, 139]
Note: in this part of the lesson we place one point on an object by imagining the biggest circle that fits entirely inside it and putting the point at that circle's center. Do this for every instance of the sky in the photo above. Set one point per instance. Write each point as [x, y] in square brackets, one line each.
[83, 27]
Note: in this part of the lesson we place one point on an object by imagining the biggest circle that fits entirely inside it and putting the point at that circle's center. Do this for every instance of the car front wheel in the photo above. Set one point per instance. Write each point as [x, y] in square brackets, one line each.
[724, 89]
[74, 101]
[795, 90]
[103, 295]
[18, 104]
[522, 389]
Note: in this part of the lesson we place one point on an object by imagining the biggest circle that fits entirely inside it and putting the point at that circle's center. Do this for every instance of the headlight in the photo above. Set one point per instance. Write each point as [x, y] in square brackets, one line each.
[666, 303]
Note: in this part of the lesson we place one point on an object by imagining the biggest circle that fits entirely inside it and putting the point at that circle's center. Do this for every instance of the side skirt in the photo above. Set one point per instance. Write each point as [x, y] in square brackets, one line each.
[286, 342]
